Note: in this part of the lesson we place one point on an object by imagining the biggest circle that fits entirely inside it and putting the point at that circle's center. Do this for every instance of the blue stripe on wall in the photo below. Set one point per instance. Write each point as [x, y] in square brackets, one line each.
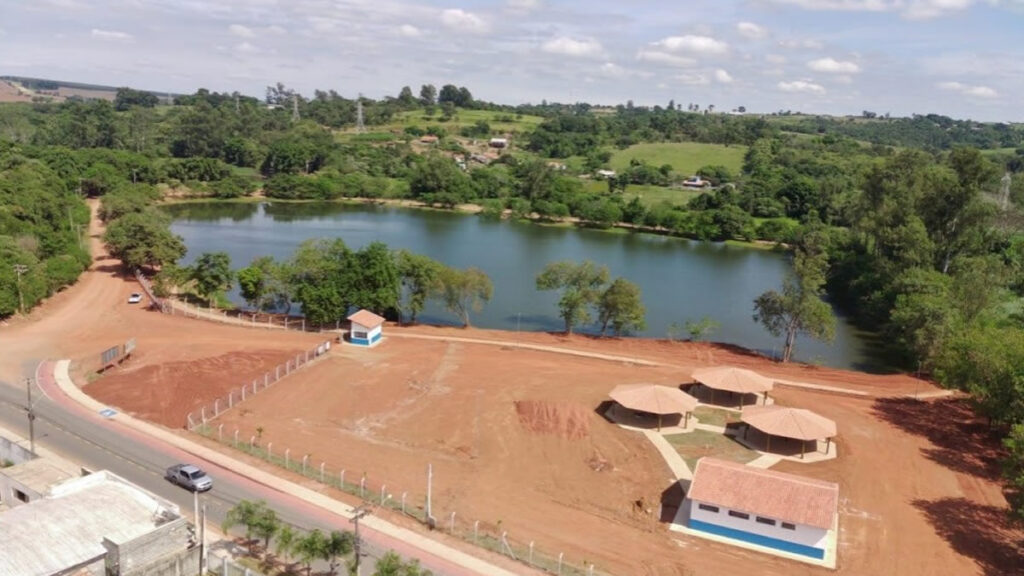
[758, 539]
[376, 336]
[359, 341]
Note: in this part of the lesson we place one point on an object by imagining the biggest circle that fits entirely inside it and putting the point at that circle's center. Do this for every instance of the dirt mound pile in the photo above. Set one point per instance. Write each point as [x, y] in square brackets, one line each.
[570, 421]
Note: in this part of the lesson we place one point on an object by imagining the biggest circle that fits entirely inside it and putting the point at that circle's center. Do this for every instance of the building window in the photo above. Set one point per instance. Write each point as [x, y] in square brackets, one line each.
[708, 508]
[739, 515]
[789, 526]
[359, 334]
[20, 495]
[763, 520]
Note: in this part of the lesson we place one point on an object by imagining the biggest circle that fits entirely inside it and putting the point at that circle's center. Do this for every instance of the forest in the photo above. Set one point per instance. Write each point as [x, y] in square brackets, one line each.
[911, 225]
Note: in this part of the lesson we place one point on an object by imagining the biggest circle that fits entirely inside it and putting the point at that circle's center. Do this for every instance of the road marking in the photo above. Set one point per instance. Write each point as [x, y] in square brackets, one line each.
[108, 412]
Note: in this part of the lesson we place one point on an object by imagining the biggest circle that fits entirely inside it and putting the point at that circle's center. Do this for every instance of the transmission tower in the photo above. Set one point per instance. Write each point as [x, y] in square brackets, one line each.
[295, 107]
[1004, 190]
[360, 127]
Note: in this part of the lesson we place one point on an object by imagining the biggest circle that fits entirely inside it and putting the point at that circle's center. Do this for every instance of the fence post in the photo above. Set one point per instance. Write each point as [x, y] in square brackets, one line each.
[224, 566]
[560, 554]
[531, 552]
[287, 451]
[403, 502]
[270, 455]
[236, 437]
[254, 383]
[303, 324]
[452, 528]
[476, 532]
[220, 433]
[305, 459]
[277, 373]
[243, 393]
[203, 412]
[285, 322]
[266, 380]
[362, 485]
[252, 443]
[231, 399]
[590, 570]
[322, 471]
[216, 407]
[341, 480]
[383, 490]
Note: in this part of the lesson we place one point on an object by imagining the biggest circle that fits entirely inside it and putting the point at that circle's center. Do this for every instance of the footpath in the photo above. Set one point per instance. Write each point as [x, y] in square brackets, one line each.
[471, 564]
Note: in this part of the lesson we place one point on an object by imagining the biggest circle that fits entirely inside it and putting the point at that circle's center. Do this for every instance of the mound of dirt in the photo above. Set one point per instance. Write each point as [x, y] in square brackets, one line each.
[570, 421]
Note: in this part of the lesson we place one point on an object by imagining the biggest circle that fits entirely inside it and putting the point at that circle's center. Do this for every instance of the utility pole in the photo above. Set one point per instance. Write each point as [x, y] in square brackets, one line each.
[360, 127]
[358, 514]
[20, 269]
[430, 481]
[295, 107]
[31, 412]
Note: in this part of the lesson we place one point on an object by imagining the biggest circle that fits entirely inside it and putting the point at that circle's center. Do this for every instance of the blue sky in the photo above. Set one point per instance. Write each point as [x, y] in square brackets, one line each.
[962, 58]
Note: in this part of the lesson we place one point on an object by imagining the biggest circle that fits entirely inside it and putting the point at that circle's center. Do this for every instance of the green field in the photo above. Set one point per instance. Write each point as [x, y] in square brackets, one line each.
[649, 195]
[700, 443]
[462, 118]
[684, 157]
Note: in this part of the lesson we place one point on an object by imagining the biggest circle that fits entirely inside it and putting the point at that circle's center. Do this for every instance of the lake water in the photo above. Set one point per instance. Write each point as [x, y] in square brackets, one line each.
[680, 279]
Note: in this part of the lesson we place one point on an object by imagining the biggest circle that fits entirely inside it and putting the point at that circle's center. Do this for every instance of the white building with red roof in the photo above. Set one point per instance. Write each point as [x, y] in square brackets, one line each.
[763, 508]
[366, 328]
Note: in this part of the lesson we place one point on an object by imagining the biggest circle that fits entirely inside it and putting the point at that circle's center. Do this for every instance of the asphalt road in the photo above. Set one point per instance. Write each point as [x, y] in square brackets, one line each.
[98, 445]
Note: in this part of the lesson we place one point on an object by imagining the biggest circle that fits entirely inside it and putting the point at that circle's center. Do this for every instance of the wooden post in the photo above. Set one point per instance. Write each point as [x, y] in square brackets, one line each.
[828, 444]
[768, 442]
[659, 422]
[802, 446]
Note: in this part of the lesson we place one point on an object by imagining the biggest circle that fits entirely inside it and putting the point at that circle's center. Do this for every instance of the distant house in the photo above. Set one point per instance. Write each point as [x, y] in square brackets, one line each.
[696, 182]
[782, 511]
[428, 139]
[556, 166]
[606, 174]
[498, 143]
[480, 159]
[366, 328]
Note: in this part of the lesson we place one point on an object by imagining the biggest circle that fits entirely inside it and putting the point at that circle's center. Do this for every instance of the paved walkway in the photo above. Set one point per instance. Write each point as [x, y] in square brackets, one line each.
[457, 557]
[668, 452]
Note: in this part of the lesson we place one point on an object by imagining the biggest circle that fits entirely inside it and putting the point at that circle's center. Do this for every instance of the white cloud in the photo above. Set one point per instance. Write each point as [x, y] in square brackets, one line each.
[571, 47]
[775, 59]
[523, 5]
[910, 9]
[751, 30]
[613, 70]
[833, 66]
[463, 21]
[801, 86]
[409, 31]
[723, 77]
[693, 44]
[241, 31]
[112, 35]
[659, 57]
[693, 79]
[969, 90]
[246, 48]
[804, 44]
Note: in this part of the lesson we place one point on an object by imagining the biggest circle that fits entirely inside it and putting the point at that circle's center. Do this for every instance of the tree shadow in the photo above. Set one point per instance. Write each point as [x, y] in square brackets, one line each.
[962, 442]
[981, 532]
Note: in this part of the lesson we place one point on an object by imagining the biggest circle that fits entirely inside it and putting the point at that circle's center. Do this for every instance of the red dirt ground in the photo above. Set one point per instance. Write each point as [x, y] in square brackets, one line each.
[517, 444]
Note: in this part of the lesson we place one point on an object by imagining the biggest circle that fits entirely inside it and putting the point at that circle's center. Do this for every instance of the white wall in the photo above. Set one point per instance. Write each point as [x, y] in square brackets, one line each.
[370, 334]
[806, 535]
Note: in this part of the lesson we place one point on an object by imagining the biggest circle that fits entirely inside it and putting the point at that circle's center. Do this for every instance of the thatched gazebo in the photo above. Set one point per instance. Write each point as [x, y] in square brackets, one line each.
[795, 423]
[736, 380]
[654, 399]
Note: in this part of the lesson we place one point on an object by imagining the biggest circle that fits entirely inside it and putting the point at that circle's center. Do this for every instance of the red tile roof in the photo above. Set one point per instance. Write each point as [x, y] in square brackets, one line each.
[366, 318]
[777, 495]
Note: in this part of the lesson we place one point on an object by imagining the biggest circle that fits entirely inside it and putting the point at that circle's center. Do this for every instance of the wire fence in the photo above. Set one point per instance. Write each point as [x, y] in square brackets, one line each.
[377, 492]
[207, 412]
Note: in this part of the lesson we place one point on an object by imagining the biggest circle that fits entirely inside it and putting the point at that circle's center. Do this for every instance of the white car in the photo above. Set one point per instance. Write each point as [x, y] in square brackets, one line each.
[135, 298]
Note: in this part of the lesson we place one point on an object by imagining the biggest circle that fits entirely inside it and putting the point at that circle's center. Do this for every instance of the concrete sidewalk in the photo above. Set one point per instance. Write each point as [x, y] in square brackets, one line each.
[420, 542]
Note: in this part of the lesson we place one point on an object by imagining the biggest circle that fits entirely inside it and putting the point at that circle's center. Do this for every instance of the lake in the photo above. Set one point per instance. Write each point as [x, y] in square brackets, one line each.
[680, 279]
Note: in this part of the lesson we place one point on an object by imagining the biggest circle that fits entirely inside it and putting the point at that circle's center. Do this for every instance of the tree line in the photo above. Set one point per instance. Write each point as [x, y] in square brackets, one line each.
[262, 524]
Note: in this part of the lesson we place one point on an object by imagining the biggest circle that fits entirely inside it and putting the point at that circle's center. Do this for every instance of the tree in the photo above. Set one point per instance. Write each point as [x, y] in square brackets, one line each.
[311, 546]
[212, 274]
[465, 290]
[1014, 468]
[337, 544]
[143, 239]
[420, 277]
[286, 540]
[248, 514]
[252, 281]
[376, 285]
[391, 564]
[580, 285]
[621, 306]
[265, 525]
[698, 329]
[405, 97]
[798, 308]
[428, 95]
[127, 98]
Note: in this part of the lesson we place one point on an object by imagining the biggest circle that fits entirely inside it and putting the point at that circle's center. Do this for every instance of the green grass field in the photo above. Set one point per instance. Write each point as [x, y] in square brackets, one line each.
[684, 157]
[464, 118]
[649, 195]
[700, 443]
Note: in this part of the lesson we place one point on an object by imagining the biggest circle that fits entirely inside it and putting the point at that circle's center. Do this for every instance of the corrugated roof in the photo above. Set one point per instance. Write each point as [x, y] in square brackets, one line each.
[366, 318]
[67, 528]
[777, 495]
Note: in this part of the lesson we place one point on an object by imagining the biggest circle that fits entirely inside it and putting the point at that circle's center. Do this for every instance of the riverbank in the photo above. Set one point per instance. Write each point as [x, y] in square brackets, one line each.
[477, 209]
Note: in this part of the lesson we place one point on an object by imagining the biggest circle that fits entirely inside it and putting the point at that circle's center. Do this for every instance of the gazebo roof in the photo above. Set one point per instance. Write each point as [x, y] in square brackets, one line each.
[794, 423]
[366, 318]
[653, 398]
[729, 378]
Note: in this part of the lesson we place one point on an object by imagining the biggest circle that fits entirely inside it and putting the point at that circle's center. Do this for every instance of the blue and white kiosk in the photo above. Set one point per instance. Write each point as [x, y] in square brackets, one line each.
[366, 328]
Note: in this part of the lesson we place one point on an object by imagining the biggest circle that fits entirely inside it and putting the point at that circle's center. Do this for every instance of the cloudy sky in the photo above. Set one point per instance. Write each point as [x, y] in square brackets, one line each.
[963, 58]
